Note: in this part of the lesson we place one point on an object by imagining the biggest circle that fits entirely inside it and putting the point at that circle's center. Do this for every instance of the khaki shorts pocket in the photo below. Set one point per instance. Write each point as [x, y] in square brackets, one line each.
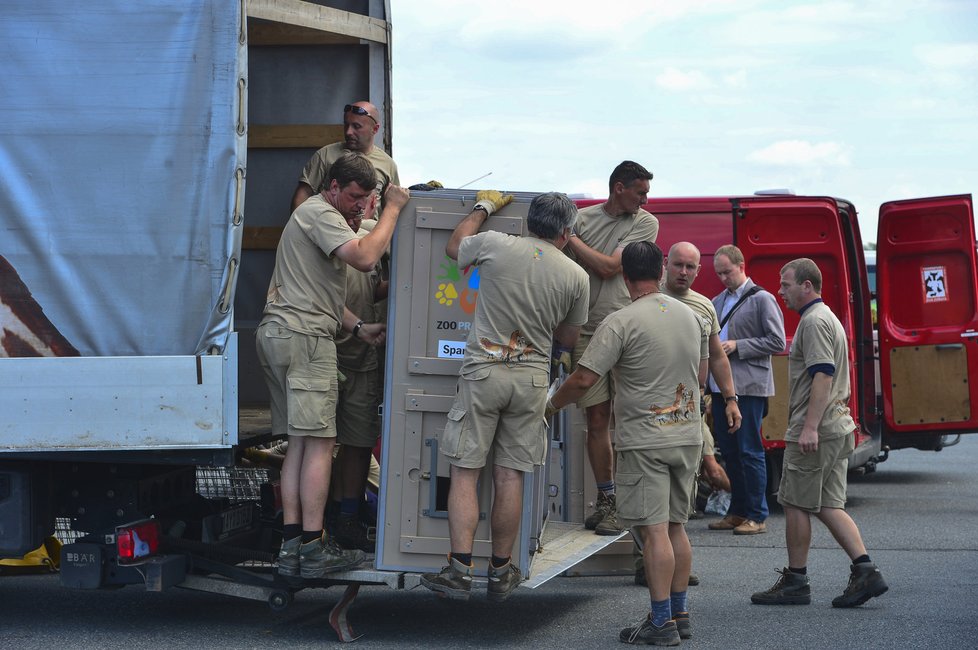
[453, 438]
[277, 332]
[630, 496]
[801, 486]
[312, 404]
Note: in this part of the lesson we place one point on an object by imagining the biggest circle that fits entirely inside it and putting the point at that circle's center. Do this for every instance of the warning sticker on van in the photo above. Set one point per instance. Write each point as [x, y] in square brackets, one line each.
[935, 286]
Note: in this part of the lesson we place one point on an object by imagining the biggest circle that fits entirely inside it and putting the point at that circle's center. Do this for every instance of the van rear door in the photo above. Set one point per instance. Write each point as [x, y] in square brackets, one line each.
[928, 317]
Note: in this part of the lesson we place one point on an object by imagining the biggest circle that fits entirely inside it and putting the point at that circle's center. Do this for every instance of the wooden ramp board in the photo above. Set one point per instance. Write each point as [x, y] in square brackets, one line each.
[562, 546]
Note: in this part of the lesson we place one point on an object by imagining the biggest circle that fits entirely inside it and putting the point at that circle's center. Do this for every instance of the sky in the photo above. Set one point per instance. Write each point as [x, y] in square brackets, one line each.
[870, 101]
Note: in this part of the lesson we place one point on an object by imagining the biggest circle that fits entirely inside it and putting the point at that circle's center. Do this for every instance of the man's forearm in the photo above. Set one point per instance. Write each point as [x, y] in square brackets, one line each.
[469, 226]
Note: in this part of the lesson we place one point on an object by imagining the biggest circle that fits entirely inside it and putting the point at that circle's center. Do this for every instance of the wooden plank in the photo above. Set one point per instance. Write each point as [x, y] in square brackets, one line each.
[263, 32]
[930, 384]
[293, 136]
[326, 19]
[261, 238]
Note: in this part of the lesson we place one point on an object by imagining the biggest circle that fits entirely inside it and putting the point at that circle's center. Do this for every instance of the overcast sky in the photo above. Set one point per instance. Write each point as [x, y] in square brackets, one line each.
[869, 101]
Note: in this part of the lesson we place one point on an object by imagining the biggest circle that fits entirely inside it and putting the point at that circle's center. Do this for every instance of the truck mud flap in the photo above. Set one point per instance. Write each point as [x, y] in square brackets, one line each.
[562, 545]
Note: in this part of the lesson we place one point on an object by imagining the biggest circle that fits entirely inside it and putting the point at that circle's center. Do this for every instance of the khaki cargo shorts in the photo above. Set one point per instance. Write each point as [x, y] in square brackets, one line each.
[817, 480]
[300, 371]
[498, 409]
[603, 390]
[655, 486]
[357, 420]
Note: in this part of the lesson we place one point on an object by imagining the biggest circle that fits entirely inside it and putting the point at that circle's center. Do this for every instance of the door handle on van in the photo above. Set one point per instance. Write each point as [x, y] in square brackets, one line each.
[950, 346]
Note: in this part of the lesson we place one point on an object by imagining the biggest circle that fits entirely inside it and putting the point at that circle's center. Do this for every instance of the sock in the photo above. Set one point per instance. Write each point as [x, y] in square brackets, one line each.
[464, 558]
[311, 535]
[803, 571]
[661, 612]
[862, 559]
[607, 489]
[500, 562]
[677, 599]
[291, 531]
[349, 507]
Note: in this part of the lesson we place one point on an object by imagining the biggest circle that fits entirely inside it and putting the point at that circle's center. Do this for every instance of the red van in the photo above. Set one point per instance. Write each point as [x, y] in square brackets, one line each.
[927, 304]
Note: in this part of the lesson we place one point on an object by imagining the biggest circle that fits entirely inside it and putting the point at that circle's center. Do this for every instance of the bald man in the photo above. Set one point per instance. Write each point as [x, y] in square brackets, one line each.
[361, 123]
[682, 267]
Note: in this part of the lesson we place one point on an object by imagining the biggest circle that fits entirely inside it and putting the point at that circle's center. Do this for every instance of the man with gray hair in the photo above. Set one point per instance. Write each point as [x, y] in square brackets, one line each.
[818, 442]
[529, 294]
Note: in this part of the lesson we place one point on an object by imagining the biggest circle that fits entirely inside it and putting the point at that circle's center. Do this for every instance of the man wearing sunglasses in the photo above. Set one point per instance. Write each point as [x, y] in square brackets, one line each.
[361, 122]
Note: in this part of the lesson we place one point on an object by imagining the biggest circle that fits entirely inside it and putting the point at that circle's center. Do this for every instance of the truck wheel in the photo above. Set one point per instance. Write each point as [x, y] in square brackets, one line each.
[279, 600]
[775, 461]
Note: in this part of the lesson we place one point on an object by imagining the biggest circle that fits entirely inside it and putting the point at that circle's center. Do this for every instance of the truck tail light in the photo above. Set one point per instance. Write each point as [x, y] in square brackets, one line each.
[137, 541]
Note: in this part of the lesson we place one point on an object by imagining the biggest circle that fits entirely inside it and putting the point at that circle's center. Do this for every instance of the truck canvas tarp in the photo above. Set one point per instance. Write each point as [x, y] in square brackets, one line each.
[122, 153]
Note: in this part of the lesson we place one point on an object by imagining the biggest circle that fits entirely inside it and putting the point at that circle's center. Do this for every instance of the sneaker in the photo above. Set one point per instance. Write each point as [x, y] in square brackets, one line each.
[288, 557]
[647, 633]
[454, 581]
[322, 556]
[601, 508]
[790, 589]
[683, 625]
[750, 527]
[865, 582]
[727, 523]
[610, 524]
[503, 582]
[349, 533]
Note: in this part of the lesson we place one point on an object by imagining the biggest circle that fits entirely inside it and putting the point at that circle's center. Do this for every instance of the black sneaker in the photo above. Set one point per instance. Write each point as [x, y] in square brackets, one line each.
[349, 533]
[322, 556]
[790, 589]
[503, 582]
[683, 625]
[865, 582]
[453, 581]
[645, 632]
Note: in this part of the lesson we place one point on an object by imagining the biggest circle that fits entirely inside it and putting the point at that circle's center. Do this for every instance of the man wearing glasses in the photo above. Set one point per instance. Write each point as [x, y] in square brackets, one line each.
[360, 125]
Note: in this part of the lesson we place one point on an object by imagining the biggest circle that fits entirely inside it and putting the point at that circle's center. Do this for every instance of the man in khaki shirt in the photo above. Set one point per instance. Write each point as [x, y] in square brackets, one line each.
[361, 123]
[295, 340]
[658, 439]
[529, 295]
[602, 232]
[682, 267]
[818, 443]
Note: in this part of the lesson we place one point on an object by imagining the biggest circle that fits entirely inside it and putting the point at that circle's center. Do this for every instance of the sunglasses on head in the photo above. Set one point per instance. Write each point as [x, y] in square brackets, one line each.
[358, 110]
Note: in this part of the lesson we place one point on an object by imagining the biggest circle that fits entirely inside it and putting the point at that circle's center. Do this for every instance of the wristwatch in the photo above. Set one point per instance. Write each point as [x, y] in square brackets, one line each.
[732, 398]
[356, 329]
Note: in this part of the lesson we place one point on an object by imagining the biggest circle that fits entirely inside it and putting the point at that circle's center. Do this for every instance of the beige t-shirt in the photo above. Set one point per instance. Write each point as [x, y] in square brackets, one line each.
[654, 347]
[701, 306]
[315, 172]
[361, 290]
[308, 286]
[605, 234]
[819, 339]
[527, 287]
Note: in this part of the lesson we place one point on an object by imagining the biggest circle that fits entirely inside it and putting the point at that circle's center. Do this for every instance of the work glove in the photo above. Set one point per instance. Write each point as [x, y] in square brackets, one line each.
[491, 200]
[560, 357]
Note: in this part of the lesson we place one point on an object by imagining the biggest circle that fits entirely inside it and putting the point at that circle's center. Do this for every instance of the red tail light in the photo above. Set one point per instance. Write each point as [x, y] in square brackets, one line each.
[137, 541]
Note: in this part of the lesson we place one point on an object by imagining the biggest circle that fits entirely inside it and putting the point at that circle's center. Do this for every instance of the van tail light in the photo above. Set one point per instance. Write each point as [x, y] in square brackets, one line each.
[137, 541]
